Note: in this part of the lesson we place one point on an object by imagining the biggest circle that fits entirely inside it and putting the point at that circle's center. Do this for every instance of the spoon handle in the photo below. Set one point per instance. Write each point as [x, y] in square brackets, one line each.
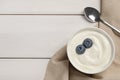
[117, 31]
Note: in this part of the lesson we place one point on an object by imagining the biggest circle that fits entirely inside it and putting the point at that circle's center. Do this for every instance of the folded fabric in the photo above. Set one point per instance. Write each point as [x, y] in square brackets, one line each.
[59, 67]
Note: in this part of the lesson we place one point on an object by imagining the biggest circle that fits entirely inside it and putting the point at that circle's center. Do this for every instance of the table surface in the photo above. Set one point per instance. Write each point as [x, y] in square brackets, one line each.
[32, 31]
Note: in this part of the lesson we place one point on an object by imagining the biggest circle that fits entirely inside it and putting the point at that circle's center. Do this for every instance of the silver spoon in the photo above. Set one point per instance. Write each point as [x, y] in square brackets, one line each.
[92, 15]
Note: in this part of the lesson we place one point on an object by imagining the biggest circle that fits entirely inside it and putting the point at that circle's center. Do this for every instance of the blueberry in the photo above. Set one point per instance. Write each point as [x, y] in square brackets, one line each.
[80, 49]
[87, 43]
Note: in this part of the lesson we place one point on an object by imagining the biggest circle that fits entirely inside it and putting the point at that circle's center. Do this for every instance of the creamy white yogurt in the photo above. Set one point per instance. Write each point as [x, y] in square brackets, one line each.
[95, 59]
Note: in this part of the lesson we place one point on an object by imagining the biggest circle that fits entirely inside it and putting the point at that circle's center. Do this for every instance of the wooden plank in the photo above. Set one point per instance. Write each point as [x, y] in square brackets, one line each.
[22, 69]
[37, 36]
[46, 6]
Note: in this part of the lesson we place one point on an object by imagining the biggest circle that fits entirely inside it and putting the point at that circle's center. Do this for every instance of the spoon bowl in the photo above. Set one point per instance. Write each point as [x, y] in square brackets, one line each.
[92, 14]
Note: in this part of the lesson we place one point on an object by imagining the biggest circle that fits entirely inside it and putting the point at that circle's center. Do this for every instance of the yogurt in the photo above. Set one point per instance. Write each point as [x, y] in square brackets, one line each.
[95, 59]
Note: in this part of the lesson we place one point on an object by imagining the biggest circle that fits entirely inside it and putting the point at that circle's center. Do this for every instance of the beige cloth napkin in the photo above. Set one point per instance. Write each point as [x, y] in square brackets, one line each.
[59, 67]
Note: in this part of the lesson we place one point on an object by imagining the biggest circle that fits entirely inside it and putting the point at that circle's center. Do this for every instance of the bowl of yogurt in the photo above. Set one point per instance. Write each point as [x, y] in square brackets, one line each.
[91, 50]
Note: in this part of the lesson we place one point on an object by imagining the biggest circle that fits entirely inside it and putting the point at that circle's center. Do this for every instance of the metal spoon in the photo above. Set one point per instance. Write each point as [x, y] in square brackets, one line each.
[92, 15]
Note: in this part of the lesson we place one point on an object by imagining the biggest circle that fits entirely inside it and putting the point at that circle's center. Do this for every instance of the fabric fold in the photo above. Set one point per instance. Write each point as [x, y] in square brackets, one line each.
[58, 66]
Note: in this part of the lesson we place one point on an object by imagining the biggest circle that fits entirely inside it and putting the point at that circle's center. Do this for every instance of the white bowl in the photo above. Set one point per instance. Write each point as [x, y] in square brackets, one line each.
[78, 62]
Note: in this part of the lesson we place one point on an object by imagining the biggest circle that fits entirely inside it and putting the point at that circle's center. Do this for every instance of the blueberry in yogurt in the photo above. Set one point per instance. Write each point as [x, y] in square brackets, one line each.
[80, 49]
[87, 43]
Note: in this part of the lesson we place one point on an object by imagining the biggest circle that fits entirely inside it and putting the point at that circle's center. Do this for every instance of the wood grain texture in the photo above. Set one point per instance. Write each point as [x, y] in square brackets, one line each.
[46, 6]
[37, 36]
[22, 69]
[23, 38]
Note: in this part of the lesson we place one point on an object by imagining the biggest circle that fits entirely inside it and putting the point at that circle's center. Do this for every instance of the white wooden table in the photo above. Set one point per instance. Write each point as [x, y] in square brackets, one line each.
[31, 31]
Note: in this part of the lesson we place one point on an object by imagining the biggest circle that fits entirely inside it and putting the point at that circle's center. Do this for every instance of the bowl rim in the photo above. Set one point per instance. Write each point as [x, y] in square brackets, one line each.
[113, 50]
